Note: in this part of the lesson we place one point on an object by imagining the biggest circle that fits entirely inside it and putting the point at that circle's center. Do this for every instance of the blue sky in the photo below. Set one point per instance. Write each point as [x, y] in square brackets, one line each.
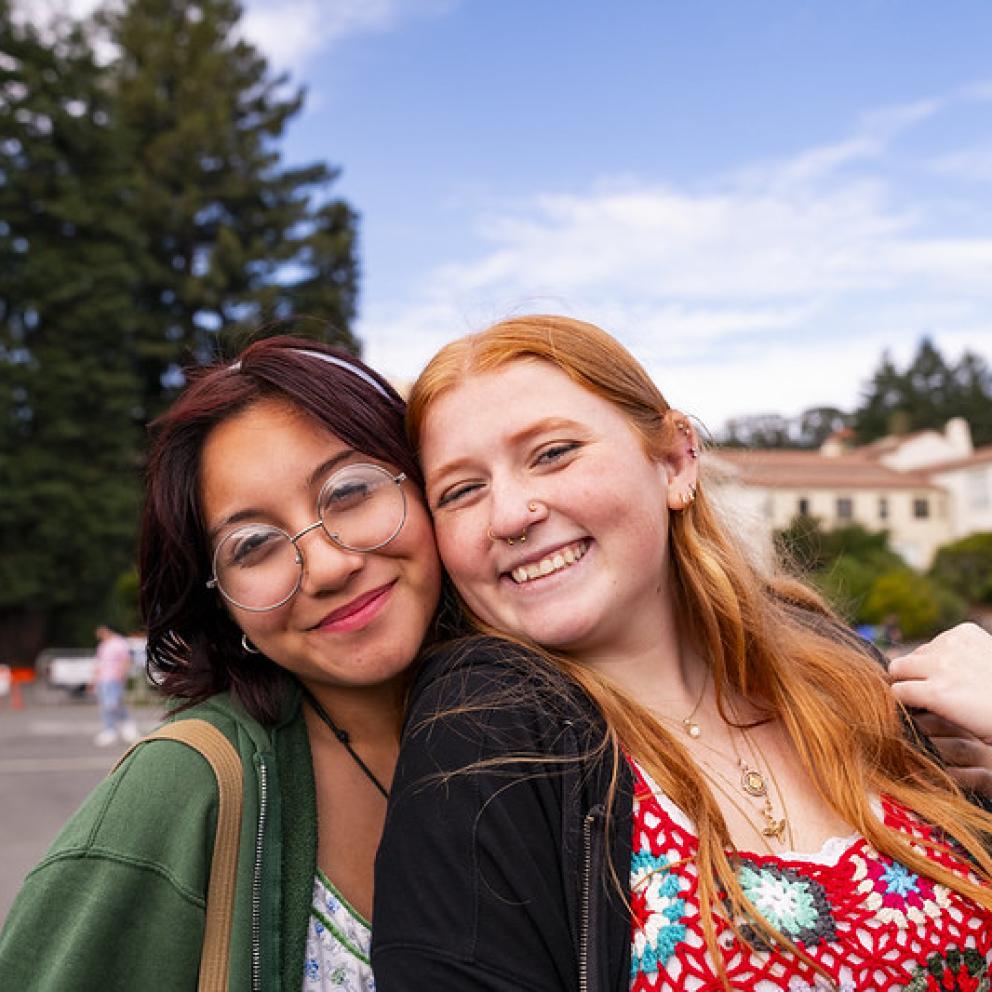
[756, 197]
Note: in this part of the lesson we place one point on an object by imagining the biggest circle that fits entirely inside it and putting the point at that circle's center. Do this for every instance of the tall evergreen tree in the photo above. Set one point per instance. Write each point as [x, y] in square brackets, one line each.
[926, 395]
[233, 239]
[69, 442]
[145, 219]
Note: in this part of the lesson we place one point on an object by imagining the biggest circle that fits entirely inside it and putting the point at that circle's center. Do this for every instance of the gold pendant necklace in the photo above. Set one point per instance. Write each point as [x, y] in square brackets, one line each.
[753, 783]
[688, 722]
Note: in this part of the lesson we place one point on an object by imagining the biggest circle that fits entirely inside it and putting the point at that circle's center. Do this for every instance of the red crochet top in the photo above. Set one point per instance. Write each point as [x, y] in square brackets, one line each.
[869, 921]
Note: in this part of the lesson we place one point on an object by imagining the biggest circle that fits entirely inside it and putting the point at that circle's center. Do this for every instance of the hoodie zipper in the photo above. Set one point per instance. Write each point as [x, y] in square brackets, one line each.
[256, 880]
[584, 909]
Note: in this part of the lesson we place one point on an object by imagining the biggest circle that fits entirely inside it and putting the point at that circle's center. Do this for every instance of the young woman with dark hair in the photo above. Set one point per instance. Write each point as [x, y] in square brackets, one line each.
[289, 578]
[663, 768]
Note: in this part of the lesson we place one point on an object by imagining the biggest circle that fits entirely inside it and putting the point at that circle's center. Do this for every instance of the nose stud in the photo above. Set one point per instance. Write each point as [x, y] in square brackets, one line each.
[532, 507]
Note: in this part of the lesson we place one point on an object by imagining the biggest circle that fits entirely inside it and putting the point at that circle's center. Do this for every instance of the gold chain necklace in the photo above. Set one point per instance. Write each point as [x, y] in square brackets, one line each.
[754, 784]
[752, 780]
[691, 727]
[728, 794]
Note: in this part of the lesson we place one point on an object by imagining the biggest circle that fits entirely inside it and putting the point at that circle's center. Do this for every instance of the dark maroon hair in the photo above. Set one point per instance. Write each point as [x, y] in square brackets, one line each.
[194, 647]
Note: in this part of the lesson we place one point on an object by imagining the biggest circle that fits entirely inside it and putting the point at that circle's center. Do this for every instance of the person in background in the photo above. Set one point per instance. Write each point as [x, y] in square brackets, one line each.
[110, 677]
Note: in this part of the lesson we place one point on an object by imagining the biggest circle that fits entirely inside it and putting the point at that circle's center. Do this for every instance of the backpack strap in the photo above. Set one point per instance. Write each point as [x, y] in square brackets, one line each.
[226, 764]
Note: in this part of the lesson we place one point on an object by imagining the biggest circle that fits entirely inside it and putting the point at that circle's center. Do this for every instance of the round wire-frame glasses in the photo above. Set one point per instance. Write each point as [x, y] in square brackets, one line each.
[361, 507]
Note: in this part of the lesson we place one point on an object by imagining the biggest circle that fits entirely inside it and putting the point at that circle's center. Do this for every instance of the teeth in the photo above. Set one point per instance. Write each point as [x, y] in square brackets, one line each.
[553, 563]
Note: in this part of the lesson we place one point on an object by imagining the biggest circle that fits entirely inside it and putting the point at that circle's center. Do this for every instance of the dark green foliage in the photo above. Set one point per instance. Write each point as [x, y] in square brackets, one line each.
[926, 395]
[966, 568]
[145, 222]
[233, 239]
[69, 441]
[866, 581]
[814, 549]
[919, 606]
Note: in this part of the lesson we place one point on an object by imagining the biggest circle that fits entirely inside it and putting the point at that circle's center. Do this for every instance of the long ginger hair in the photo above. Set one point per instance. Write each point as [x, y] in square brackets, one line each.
[768, 637]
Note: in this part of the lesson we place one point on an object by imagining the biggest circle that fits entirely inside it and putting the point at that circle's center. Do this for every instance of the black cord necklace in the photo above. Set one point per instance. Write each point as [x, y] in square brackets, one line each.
[342, 736]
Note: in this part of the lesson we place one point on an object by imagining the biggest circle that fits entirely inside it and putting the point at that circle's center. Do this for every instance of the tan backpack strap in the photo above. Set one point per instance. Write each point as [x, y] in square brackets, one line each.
[224, 760]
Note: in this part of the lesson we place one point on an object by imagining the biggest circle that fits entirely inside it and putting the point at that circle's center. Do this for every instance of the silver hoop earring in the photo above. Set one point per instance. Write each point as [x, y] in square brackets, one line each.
[247, 646]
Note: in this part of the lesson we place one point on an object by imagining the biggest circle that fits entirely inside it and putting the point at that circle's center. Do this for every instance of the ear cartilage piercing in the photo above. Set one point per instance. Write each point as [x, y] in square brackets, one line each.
[683, 427]
[693, 452]
[532, 506]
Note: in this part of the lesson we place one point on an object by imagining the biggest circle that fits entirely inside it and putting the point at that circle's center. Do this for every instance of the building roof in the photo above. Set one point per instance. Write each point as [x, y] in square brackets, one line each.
[789, 469]
[980, 456]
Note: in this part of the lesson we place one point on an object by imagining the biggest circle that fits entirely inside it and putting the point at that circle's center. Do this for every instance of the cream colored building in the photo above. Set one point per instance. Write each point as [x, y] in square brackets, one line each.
[926, 489]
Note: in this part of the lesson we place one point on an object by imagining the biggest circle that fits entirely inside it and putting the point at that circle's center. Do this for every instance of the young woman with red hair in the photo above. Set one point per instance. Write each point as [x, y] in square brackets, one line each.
[661, 767]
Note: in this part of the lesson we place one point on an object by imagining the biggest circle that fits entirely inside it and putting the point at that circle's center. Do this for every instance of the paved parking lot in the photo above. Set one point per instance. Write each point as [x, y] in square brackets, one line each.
[48, 763]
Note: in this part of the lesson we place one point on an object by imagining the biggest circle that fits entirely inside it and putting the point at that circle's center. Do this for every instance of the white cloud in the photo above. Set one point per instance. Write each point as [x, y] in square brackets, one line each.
[968, 163]
[290, 32]
[776, 287]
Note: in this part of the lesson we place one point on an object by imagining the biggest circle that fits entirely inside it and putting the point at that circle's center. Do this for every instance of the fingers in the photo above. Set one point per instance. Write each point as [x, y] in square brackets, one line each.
[968, 759]
[975, 779]
[936, 726]
[963, 752]
[915, 694]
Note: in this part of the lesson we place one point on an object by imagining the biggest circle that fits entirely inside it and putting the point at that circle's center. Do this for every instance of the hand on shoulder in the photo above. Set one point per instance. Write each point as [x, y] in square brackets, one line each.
[951, 677]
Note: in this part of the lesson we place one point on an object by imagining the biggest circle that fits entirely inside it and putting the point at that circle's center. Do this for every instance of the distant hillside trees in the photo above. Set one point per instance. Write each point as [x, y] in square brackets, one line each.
[146, 222]
[926, 394]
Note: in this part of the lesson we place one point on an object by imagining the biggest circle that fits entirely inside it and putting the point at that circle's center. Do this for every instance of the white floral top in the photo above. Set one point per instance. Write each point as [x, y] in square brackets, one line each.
[338, 943]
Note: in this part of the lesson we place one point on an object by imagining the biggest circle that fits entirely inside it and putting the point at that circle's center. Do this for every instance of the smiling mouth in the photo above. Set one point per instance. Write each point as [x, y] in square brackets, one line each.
[557, 561]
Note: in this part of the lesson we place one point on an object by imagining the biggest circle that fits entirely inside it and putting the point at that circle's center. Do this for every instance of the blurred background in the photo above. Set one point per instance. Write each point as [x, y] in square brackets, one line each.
[783, 209]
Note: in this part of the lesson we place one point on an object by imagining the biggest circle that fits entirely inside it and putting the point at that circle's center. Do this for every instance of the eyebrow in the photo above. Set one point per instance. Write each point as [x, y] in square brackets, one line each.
[528, 433]
[254, 512]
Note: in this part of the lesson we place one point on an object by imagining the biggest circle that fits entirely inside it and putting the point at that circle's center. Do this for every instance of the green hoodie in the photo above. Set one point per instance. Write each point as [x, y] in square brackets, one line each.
[118, 902]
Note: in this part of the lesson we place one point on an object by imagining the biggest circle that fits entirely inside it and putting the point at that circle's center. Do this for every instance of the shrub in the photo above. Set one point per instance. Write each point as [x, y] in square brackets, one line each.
[919, 605]
[965, 567]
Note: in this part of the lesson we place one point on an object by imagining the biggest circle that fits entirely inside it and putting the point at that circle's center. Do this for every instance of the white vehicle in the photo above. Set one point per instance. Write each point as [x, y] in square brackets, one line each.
[71, 669]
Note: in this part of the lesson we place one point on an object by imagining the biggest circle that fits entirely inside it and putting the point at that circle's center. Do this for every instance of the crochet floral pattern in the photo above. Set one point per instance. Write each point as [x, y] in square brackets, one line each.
[795, 904]
[897, 895]
[953, 971]
[869, 923]
[657, 908]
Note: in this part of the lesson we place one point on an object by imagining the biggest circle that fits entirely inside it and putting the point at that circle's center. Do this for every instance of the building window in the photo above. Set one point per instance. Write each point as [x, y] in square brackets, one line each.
[803, 506]
[845, 508]
[921, 508]
[883, 508]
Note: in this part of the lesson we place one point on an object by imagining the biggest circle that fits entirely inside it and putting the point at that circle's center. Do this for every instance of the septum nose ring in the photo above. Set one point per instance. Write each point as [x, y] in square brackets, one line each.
[509, 540]
[532, 507]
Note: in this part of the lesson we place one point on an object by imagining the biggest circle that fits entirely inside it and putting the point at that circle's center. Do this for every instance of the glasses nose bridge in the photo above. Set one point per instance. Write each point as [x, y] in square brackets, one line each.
[317, 524]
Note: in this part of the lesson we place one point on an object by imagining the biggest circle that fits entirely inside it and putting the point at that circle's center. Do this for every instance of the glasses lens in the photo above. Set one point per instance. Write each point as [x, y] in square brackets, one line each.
[362, 507]
[256, 567]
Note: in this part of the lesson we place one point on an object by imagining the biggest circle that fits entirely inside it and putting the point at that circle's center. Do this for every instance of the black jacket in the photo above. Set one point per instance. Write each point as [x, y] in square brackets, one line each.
[492, 872]
[493, 878]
